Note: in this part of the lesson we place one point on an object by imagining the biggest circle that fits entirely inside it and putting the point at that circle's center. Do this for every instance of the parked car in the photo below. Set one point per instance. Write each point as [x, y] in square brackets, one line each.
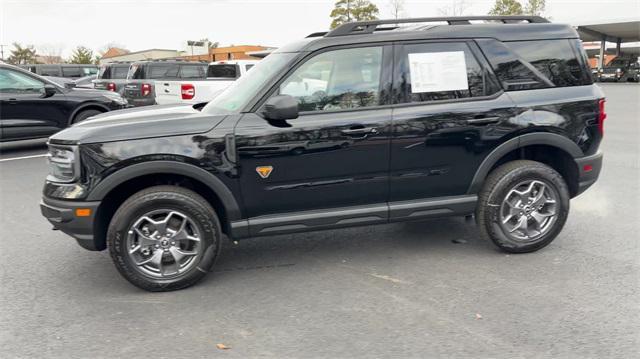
[139, 89]
[220, 75]
[62, 70]
[112, 77]
[82, 82]
[621, 69]
[33, 107]
[498, 120]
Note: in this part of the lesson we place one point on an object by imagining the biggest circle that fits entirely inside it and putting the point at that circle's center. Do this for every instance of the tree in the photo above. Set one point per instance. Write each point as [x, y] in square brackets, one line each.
[353, 10]
[396, 8]
[506, 7]
[535, 7]
[82, 55]
[456, 8]
[22, 55]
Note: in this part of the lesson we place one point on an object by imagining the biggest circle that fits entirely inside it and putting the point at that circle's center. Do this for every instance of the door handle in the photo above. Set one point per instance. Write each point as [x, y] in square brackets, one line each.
[360, 131]
[11, 101]
[482, 120]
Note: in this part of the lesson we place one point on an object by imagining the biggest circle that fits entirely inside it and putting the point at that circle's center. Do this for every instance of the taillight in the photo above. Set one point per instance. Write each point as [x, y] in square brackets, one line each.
[145, 89]
[188, 91]
[111, 86]
[602, 115]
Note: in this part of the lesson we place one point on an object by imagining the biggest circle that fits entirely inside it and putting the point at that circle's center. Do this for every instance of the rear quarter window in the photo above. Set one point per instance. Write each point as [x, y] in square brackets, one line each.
[72, 71]
[223, 70]
[192, 71]
[120, 72]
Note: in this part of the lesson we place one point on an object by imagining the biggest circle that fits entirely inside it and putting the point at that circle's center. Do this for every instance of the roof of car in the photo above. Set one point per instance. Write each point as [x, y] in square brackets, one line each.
[503, 28]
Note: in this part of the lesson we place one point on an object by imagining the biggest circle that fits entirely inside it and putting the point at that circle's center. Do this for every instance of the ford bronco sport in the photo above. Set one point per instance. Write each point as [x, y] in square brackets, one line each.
[495, 117]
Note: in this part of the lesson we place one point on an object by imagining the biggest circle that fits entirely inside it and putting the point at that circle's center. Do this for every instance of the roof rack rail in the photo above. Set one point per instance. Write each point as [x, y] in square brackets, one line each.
[368, 27]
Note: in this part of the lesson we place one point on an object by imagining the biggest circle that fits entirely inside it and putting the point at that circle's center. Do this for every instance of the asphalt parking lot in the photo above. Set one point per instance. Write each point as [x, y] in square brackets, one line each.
[423, 289]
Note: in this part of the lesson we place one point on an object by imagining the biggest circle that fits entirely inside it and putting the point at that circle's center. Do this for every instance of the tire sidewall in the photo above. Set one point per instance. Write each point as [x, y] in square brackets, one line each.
[84, 114]
[540, 173]
[128, 213]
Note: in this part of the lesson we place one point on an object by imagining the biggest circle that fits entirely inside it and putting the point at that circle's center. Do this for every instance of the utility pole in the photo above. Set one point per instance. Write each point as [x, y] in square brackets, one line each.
[2, 51]
[348, 11]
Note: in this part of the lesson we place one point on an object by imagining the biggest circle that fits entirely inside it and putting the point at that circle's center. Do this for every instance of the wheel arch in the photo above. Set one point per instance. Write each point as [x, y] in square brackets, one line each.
[86, 106]
[529, 146]
[117, 187]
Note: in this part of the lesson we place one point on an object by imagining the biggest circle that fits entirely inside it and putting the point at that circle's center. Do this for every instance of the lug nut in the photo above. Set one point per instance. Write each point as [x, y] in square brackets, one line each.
[157, 246]
[173, 243]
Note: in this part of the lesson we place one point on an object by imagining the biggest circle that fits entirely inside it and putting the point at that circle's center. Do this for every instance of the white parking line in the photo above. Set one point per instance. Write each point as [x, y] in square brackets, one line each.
[21, 158]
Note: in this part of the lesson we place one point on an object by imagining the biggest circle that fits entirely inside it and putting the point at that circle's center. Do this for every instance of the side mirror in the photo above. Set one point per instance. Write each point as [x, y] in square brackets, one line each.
[49, 90]
[70, 85]
[281, 108]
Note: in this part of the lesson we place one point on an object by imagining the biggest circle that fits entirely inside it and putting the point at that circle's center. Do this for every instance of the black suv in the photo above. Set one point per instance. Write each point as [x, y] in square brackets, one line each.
[357, 126]
[621, 69]
[32, 106]
[140, 86]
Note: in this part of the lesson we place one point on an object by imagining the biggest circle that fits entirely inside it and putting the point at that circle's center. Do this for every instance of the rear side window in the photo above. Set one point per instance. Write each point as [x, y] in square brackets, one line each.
[229, 71]
[555, 59]
[119, 72]
[136, 72]
[50, 71]
[439, 71]
[525, 65]
[163, 71]
[71, 71]
[192, 71]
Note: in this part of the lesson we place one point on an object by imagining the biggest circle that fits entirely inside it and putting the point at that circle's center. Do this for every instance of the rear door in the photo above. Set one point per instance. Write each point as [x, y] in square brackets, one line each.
[336, 153]
[450, 113]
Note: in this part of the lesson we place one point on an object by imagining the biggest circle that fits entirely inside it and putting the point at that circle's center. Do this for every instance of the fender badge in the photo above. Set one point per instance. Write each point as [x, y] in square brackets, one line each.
[264, 171]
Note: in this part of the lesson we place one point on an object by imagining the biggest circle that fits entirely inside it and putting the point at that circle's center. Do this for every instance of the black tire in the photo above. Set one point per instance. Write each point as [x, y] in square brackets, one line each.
[85, 114]
[169, 198]
[498, 185]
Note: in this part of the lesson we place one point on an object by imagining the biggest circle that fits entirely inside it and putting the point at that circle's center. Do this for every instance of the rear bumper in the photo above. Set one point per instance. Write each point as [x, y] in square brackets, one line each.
[61, 214]
[588, 171]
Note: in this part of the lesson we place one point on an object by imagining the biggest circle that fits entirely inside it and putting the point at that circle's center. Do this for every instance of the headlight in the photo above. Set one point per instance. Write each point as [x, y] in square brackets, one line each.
[63, 164]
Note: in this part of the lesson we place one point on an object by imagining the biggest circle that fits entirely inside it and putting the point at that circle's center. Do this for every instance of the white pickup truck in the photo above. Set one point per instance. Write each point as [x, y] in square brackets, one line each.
[220, 75]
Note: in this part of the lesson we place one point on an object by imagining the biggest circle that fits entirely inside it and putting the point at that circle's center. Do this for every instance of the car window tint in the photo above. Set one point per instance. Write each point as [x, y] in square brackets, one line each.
[555, 59]
[337, 80]
[248, 67]
[434, 79]
[50, 71]
[86, 71]
[120, 72]
[191, 72]
[228, 71]
[16, 82]
[105, 72]
[71, 71]
[163, 71]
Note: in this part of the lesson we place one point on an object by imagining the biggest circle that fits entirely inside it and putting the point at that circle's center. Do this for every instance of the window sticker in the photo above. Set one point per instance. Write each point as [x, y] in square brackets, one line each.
[438, 71]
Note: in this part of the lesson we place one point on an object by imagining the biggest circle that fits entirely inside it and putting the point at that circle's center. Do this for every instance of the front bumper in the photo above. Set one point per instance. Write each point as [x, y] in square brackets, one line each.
[589, 168]
[62, 215]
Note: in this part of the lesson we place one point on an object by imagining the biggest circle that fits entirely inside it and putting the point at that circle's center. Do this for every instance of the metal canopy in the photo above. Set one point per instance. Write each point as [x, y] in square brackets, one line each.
[613, 31]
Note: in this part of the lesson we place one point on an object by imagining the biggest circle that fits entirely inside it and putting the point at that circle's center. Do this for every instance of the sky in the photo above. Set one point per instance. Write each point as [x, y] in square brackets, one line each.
[62, 25]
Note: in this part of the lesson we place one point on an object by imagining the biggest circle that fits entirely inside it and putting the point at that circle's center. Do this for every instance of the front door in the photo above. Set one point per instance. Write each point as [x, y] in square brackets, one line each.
[24, 112]
[336, 153]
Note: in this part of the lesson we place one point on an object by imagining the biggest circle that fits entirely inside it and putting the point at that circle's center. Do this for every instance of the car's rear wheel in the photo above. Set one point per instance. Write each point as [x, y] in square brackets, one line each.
[522, 206]
[164, 238]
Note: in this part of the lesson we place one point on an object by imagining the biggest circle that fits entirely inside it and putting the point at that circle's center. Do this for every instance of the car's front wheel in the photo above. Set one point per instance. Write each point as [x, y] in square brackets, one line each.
[522, 206]
[164, 238]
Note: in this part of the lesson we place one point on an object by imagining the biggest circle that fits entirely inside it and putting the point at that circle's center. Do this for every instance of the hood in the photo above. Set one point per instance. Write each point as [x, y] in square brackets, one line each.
[138, 123]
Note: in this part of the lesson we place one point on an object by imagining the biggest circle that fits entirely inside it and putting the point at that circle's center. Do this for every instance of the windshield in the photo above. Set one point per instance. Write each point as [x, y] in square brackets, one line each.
[236, 96]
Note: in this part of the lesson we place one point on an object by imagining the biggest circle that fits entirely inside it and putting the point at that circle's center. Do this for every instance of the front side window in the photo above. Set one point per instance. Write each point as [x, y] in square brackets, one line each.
[337, 80]
[439, 71]
[15, 82]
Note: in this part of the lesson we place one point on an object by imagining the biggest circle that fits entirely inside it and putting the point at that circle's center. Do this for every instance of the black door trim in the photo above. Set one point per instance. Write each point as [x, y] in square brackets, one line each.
[307, 221]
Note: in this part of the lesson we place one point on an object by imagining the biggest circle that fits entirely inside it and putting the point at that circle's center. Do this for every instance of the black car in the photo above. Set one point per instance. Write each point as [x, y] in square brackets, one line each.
[112, 77]
[139, 89]
[34, 107]
[71, 71]
[356, 126]
[621, 69]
